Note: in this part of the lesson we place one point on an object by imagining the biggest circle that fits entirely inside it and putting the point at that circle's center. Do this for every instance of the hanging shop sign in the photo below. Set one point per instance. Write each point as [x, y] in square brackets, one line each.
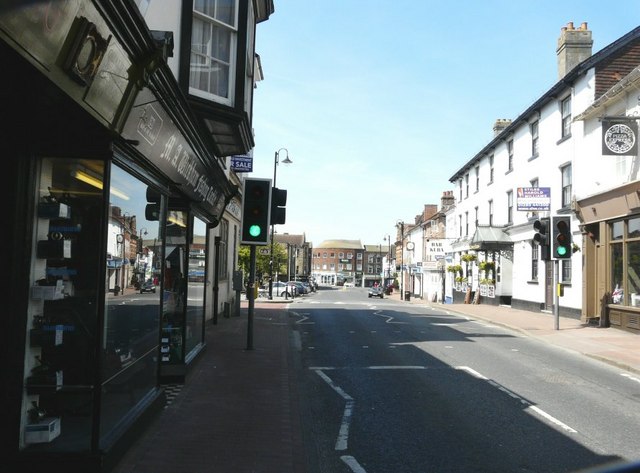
[619, 136]
[531, 199]
[241, 163]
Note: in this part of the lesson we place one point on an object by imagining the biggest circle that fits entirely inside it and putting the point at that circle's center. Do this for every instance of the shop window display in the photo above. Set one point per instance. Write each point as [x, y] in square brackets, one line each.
[132, 303]
[62, 317]
[625, 262]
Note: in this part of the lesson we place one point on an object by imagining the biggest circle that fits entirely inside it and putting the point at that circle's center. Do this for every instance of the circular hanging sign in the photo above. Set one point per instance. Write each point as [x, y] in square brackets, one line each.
[619, 138]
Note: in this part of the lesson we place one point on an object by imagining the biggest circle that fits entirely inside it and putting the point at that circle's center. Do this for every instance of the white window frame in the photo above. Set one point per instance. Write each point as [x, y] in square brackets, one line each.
[207, 52]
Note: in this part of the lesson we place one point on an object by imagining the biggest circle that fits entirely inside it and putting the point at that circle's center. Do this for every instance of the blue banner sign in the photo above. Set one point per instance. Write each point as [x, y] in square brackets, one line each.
[241, 163]
[534, 199]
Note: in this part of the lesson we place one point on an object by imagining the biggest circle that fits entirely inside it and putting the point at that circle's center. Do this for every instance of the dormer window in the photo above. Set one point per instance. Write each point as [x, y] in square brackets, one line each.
[213, 50]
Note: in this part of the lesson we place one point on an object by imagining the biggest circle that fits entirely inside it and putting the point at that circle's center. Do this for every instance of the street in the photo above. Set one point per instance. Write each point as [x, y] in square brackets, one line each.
[390, 386]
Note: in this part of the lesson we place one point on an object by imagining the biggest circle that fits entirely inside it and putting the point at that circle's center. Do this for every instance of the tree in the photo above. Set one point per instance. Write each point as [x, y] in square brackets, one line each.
[263, 261]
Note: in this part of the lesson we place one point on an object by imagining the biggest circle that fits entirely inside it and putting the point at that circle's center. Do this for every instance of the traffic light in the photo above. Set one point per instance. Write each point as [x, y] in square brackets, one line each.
[542, 238]
[278, 204]
[562, 237]
[256, 211]
[152, 209]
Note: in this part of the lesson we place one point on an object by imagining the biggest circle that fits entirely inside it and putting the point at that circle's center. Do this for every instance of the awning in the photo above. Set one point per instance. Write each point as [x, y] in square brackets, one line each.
[490, 238]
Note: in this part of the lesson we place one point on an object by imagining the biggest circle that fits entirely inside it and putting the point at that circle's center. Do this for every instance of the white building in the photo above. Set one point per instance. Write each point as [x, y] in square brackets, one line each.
[548, 151]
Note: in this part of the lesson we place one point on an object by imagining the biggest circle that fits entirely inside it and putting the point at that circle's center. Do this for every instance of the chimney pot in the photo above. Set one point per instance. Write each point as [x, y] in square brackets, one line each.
[574, 47]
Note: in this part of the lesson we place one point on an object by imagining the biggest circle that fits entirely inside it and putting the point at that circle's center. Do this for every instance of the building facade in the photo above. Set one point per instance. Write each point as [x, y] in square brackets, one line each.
[122, 124]
[549, 163]
[336, 262]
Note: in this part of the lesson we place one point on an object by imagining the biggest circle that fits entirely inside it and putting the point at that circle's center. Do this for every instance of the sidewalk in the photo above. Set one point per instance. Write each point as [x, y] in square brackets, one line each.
[237, 411]
[610, 345]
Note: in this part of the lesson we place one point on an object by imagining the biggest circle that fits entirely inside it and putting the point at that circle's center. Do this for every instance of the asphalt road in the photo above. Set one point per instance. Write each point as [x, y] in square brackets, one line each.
[392, 387]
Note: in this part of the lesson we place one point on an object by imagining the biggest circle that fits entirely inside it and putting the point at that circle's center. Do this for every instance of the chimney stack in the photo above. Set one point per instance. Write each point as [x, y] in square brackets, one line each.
[499, 125]
[447, 200]
[574, 47]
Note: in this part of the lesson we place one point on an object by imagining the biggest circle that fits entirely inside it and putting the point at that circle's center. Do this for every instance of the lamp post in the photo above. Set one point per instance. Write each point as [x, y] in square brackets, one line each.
[141, 253]
[400, 224]
[276, 161]
[388, 239]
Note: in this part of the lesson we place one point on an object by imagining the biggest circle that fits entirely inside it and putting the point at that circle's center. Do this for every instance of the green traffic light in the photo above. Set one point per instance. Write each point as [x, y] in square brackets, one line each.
[562, 250]
[255, 230]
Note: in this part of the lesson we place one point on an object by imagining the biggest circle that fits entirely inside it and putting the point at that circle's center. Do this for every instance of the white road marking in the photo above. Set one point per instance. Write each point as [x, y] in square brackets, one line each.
[353, 464]
[530, 407]
[632, 378]
[343, 434]
[552, 419]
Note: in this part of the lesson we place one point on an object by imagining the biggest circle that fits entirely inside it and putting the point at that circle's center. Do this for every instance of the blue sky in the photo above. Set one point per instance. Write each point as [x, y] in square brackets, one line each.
[380, 102]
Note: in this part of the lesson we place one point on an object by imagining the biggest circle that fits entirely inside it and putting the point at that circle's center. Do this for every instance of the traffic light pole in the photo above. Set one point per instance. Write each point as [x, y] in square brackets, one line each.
[251, 295]
[556, 295]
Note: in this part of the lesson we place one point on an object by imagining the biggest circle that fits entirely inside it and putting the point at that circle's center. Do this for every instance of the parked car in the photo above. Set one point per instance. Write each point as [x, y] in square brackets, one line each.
[147, 286]
[298, 287]
[278, 289]
[376, 292]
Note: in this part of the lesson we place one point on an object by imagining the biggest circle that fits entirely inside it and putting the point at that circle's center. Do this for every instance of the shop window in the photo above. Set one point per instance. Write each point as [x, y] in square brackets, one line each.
[62, 317]
[196, 284]
[223, 265]
[134, 270]
[625, 262]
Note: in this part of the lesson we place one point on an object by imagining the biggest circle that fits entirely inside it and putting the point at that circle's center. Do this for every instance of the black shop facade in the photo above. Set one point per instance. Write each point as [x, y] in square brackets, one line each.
[112, 197]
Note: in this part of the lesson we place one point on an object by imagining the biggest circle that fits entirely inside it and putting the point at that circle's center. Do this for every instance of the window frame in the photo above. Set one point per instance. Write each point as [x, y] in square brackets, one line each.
[534, 129]
[233, 30]
[566, 182]
[565, 117]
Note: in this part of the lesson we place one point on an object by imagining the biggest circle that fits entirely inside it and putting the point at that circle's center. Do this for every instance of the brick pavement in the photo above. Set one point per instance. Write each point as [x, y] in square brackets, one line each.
[237, 412]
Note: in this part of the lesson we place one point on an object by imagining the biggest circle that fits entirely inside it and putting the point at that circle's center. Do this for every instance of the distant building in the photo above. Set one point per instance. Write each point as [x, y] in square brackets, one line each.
[335, 262]
[298, 255]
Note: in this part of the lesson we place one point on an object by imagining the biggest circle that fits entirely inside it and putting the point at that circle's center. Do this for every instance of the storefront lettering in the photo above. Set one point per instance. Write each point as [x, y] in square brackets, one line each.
[168, 146]
[187, 168]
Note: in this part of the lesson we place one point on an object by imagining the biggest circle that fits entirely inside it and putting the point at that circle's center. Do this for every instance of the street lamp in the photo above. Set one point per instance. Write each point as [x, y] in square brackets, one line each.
[276, 161]
[388, 238]
[142, 231]
[400, 224]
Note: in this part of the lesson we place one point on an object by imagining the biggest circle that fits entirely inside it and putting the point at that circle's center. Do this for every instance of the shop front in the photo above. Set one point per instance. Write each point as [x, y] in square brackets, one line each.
[112, 197]
[611, 247]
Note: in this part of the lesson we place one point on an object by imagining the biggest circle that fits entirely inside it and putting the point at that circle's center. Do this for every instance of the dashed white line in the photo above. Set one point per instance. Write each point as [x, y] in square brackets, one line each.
[343, 434]
[353, 464]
